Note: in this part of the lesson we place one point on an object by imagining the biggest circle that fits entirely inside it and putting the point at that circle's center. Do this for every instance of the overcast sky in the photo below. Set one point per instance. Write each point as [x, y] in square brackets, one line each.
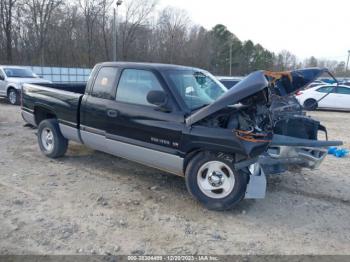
[305, 27]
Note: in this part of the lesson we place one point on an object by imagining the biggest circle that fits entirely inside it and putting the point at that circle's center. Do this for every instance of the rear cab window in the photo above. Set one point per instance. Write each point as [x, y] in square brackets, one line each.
[105, 83]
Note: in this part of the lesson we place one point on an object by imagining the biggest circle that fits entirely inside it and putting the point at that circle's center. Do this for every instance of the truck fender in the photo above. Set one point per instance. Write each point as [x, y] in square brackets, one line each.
[42, 112]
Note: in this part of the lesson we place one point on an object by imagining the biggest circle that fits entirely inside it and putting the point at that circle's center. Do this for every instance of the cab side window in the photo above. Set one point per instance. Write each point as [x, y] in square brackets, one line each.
[326, 89]
[134, 85]
[343, 90]
[105, 83]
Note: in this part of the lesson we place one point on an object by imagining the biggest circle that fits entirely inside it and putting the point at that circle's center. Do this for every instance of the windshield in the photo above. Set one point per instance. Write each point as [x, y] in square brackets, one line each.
[19, 72]
[197, 88]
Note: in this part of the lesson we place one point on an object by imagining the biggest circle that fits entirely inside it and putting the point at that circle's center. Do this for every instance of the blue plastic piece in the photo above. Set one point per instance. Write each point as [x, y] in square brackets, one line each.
[341, 152]
[338, 152]
[332, 150]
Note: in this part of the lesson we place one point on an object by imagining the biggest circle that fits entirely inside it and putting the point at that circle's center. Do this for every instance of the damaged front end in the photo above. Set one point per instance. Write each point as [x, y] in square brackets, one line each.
[269, 131]
[295, 143]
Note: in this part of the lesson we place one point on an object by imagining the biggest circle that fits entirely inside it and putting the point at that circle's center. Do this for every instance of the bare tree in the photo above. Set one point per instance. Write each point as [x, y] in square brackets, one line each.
[105, 5]
[137, 15]
[78, 33]
[91, 10]
[40, 13]
[285, 61]
[198, 48]
[173, 26]
[311, 62]
[6, 20]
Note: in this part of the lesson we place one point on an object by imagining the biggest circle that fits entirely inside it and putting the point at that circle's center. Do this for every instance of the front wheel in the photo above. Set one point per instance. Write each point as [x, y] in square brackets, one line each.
[50, 139]
[310, 104]
[214, 182]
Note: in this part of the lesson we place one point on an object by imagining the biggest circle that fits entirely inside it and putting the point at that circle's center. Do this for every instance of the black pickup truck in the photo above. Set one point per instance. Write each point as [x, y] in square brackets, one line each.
[183, 121]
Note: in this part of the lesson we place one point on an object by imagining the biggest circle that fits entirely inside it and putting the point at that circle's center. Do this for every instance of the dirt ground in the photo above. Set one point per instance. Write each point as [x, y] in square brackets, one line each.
[92, 203]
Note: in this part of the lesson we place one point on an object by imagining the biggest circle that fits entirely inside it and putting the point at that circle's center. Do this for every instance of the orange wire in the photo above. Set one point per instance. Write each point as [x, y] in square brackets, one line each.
[250, 136]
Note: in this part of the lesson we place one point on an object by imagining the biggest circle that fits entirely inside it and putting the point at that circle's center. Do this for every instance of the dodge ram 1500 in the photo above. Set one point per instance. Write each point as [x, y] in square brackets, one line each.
[183, 121]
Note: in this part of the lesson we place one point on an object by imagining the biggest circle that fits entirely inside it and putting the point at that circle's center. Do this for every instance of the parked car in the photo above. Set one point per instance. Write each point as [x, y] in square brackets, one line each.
[11, 80]
[325, 96]
[316, 84]
[229, 82]
[345, 83]
[182, 120]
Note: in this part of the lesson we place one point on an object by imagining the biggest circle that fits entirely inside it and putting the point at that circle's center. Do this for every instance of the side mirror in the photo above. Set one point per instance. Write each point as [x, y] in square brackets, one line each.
[2, 77]
[159, 99]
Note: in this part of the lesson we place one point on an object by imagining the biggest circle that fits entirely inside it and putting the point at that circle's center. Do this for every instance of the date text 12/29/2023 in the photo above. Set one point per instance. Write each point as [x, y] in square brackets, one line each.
[173, 258]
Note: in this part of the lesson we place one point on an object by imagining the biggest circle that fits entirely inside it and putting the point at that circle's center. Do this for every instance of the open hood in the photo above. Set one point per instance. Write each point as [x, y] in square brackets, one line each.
[283, 83]
[286, 83]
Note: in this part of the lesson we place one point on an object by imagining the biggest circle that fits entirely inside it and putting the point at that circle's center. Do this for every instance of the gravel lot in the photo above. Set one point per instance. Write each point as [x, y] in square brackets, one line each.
[90, 202]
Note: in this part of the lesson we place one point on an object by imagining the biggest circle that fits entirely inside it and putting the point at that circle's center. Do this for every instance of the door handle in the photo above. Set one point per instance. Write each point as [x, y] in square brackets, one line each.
[112, 113]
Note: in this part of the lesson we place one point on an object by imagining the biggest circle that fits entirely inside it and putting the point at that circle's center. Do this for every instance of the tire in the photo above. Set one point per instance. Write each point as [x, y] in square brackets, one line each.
[13, 96]
[200, 184]
[310, 104]
[50, 139]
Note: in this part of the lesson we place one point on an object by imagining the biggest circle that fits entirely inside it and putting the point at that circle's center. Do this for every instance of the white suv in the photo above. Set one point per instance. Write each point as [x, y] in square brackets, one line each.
[11, 80]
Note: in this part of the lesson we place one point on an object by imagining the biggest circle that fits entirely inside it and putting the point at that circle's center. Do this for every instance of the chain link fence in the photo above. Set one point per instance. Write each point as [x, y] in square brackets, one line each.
[62, 74]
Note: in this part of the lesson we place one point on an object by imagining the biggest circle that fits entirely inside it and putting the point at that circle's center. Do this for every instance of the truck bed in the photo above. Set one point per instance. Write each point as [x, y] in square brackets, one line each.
[60, 100]
[75, 88]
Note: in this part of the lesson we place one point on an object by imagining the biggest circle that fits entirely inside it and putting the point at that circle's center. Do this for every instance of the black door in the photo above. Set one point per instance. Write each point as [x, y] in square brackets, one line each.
[154, 135]
[93, 110]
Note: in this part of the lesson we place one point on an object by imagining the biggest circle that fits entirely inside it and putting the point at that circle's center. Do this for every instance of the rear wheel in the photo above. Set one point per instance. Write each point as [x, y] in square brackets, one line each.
[13, 96]
[214, 182]
[310, 104]
[50, 139]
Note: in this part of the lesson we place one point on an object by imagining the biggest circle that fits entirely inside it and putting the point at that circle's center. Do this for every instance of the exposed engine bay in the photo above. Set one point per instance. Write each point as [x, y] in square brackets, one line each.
[273, 115]
[248, 119]
[264, 113]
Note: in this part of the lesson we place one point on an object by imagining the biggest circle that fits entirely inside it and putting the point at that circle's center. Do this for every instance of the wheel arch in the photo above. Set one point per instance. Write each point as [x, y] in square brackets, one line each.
[9, 87]
[42, 113]
[196, 151]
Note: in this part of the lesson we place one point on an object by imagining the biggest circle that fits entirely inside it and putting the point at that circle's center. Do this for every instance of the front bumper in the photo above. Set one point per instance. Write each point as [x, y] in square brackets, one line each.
[290, 153]
[278, 159]
[285, 153]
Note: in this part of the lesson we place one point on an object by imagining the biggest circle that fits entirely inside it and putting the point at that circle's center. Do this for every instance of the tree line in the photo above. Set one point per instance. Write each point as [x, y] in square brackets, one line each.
[79, 33]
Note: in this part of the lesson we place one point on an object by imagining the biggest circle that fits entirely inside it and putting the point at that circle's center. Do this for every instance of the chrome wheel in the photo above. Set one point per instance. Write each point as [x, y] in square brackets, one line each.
[47, 140]
[215, 179]
[13, 97]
